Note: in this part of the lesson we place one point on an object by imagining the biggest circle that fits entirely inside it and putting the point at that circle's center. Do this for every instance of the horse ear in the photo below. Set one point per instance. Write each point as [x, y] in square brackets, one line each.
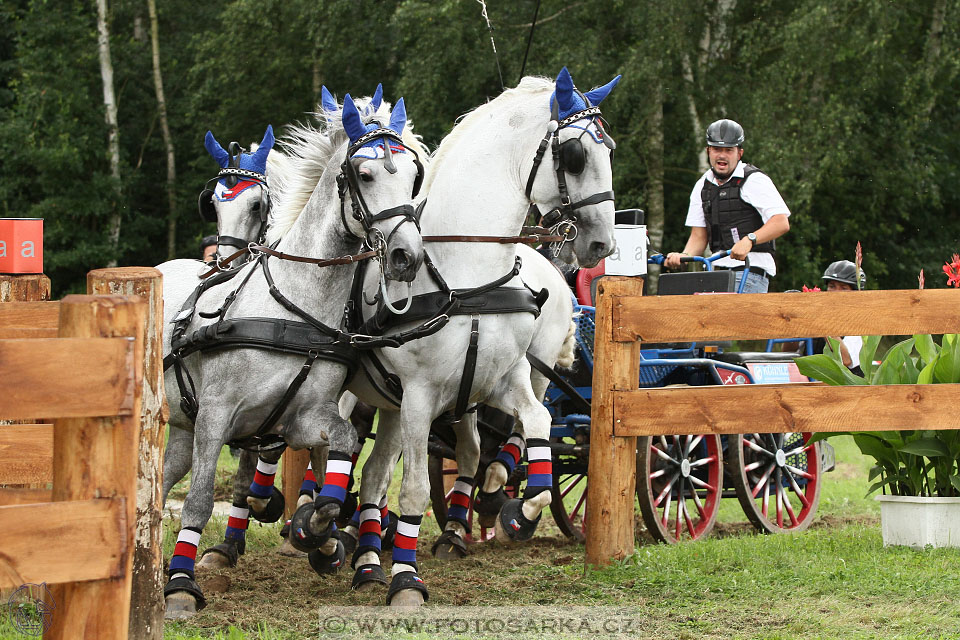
[377, 99]
[327, 102]
[214, 149]
[597, 95]
[352, 123]
[398, 117]
[260, 155]
[564, 90]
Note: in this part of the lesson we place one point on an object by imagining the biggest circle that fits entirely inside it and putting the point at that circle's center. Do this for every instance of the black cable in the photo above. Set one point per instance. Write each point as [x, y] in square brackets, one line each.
[533, 25]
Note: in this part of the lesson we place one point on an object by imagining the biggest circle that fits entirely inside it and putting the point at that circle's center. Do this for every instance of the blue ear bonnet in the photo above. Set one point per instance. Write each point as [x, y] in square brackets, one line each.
[569, 100]
[255, 161]
[356, 129]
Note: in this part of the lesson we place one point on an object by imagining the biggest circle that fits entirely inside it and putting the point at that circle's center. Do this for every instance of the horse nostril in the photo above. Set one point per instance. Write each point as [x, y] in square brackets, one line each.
[400, 259]
[598, 249]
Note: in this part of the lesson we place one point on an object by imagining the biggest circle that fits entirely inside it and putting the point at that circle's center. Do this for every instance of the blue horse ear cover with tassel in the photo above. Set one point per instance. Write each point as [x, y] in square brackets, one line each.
[570, 101]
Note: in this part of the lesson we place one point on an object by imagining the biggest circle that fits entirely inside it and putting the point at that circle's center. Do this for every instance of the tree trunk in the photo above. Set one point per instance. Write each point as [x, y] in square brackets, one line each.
[167, 138]
[655, 212]
[113, 129]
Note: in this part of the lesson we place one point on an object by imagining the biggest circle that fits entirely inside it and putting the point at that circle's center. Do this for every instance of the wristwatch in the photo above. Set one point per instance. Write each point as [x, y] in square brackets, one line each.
[753, 238]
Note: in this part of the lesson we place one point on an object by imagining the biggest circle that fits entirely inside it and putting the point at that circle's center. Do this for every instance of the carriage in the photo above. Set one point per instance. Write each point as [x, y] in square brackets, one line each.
[680, 479]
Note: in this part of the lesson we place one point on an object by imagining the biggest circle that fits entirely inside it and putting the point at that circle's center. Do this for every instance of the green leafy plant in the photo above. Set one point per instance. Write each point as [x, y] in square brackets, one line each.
[907, 463]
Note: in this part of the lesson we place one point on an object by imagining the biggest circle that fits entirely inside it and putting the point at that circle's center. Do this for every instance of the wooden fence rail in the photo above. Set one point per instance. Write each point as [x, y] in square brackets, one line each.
[622, 411]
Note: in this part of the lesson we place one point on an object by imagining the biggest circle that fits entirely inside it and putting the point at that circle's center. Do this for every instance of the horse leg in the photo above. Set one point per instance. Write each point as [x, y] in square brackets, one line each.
[226, 554]
[417, 414]
[182, 594]
[518, 518]
[491, 496]
[451, 544]
[308, 491]
[265, 500]
[375, 478]
[177, 458]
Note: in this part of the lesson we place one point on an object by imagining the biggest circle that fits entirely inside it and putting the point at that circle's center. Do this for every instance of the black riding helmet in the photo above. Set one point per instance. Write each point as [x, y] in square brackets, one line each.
[724, 133]
[846, 272]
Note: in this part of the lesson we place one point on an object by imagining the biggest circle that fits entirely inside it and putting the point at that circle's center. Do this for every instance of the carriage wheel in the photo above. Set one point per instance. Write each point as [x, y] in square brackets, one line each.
[440, 496]
[777, 479]
[679, 485]
[568, 495]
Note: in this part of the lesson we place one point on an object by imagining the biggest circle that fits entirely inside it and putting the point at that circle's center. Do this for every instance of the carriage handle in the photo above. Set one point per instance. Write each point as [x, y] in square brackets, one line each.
[658, 258]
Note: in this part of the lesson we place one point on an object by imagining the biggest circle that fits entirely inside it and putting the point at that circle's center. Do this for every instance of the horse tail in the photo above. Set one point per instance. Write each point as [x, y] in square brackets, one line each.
[569, 350]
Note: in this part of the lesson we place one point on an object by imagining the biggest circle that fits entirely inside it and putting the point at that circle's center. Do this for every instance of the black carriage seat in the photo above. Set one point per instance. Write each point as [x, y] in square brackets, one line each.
[689, 282]
[750, 357]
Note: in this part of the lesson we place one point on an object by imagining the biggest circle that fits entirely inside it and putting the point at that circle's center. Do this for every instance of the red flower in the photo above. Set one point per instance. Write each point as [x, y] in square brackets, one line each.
[808, 290]
[952, 269]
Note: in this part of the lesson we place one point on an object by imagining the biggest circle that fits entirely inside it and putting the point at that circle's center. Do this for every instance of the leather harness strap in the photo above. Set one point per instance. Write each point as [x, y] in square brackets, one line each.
[469, 369]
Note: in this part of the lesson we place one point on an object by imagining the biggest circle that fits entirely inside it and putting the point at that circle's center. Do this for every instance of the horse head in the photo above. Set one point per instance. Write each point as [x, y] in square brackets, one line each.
[579, 189]
[379, 179]
[240, 201]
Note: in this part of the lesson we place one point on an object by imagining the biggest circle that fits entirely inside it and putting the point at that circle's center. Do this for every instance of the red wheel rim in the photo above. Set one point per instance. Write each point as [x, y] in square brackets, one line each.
[685, 483]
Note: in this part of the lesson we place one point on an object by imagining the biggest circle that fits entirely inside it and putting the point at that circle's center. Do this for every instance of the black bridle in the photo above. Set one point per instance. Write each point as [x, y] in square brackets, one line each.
[349, 182]
[231, 176]
[568, 157]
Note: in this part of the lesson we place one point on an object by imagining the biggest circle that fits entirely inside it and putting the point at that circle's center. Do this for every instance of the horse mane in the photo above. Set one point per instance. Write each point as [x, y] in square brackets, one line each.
[306, 150]
[529, 86]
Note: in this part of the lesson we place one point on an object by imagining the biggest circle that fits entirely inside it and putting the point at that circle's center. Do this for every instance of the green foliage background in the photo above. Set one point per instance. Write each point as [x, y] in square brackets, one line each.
[849, 105]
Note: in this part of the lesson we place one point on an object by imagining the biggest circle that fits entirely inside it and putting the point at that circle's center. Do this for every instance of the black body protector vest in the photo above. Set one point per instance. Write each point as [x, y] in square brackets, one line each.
[724, 211]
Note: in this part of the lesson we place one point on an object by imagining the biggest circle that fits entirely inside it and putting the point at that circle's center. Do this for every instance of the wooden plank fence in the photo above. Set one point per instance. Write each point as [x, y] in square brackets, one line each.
[102, 382]
[622, 411]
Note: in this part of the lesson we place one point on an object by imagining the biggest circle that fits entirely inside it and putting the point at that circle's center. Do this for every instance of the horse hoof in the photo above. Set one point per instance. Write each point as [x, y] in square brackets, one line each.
[449, 546]
[301, 535]
[267, 510]
[288, 550]
[349, 540]
[325, 564]
[407, 590]
[512, 525]
[180, 606]
[368, 577]
[214, 559]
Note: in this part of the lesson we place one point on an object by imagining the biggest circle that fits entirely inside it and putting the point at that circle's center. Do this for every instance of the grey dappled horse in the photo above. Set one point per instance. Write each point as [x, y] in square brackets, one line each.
[239, 390]
[482, 181]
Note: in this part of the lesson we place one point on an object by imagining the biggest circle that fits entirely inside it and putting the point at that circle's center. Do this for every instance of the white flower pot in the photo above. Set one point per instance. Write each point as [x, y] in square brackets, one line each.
[916, 522]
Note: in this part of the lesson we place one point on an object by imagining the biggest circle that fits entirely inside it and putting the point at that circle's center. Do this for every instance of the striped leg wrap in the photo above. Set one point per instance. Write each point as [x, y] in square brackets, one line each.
[355, 520]
[460, 500]
[539, 467]
[309, 485]
[185, 553]
[357, 449]
[335, 480]
[384, 514]
[369, 539]
[511, 452]
[237, 523]
[405, 542]
[262, 485]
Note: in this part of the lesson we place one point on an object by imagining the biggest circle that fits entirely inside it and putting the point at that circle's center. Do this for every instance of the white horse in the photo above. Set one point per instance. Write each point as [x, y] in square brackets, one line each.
[486, 175]
[266, 350]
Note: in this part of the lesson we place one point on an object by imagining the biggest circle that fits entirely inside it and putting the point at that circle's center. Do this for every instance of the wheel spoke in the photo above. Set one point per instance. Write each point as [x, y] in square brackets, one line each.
[657, 473]
[786, 502]
[801, 495]
[666, 490]
[779, 502]
[663, 455]
[765, 509]
[763, 481]
[579, 478]
[753, 465]
[698, 504]
[693, 444]
[799, 472]
[666, 511]
[703, 485]
[703, 461]
[576, 507]
[680, 509]
[755, 447]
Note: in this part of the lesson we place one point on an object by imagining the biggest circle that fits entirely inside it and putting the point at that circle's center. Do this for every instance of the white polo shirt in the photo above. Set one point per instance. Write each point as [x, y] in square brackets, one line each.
[760, 192]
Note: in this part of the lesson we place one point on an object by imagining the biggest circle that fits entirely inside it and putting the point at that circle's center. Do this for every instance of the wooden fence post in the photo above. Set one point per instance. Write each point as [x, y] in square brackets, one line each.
[610, 492]
[91, 459]
[146, 608]
[292, 471]
[31, 287]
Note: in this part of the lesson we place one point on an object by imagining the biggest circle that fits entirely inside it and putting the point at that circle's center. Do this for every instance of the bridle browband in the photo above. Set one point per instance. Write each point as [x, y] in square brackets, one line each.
[561, 220]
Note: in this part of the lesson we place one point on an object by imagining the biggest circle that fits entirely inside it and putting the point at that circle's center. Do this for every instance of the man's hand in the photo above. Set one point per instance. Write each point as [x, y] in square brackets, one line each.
[741, 249]
[672, 260]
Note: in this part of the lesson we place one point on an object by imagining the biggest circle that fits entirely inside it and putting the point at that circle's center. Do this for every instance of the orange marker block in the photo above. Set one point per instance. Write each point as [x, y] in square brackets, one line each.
[21, 245]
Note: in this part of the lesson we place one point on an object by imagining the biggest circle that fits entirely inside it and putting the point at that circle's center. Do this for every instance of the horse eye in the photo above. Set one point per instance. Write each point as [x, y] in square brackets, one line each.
[256, 205]
[366, 175]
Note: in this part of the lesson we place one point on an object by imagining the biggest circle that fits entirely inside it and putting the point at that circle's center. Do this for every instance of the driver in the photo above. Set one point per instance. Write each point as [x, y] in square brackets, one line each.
[744, 210]
[842, 276]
